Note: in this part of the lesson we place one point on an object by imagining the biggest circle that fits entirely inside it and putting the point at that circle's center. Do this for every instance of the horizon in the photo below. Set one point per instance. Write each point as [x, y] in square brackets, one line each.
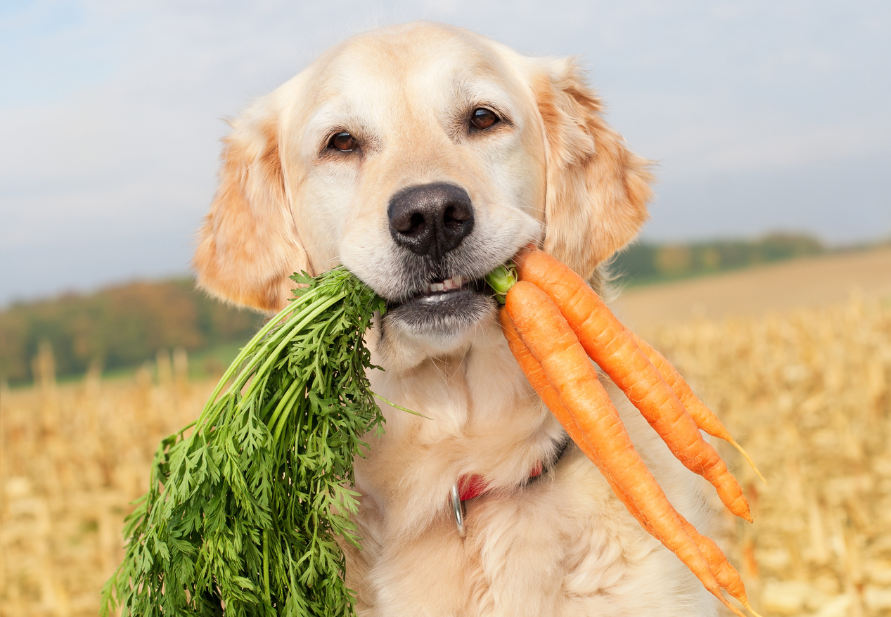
[828, 248]
[760, 117]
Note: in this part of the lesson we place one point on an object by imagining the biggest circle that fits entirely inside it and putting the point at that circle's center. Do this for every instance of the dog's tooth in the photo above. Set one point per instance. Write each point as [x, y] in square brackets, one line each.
[456, 282]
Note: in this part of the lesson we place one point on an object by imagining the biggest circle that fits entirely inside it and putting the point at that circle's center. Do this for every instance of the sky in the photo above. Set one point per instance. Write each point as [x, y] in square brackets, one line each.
[760, 115]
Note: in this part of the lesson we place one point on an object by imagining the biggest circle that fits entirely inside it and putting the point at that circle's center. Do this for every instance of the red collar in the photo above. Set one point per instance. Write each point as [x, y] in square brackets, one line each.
[475, 485]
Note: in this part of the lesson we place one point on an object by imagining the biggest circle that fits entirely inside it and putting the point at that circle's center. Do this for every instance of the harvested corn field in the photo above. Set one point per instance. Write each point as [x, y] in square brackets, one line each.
[806, 392]
[72, 457]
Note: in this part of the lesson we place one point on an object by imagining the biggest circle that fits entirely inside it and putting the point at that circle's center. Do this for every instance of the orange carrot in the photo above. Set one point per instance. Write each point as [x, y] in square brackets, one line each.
[611, 346]
[539, 382]
[726, 575]
[704, 417]
[563, 360]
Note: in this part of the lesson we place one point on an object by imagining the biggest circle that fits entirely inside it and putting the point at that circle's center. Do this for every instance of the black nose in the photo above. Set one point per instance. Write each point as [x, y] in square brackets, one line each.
[430, 219]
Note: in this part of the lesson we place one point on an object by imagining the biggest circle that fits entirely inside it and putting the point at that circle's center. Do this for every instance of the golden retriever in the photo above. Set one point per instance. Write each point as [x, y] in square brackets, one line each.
[421, 156]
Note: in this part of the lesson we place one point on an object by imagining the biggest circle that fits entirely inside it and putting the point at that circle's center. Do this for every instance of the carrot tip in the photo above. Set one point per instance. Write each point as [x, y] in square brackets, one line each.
[750, 609]
[735, 610]
[748, 458]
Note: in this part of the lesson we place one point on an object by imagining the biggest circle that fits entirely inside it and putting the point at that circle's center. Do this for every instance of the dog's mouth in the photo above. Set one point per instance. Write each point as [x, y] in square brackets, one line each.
[444, 289]
[444, 304]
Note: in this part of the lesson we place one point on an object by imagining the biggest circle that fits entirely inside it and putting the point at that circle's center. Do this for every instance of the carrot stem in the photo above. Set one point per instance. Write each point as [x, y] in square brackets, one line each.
[501, 279]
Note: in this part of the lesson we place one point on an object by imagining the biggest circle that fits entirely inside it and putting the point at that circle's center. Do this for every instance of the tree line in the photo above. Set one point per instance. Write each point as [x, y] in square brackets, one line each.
[648, 262]
[117, 327]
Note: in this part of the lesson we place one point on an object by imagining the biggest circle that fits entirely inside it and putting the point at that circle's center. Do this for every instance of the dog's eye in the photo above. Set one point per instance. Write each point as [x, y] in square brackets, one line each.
[344, 142]
[483, 118]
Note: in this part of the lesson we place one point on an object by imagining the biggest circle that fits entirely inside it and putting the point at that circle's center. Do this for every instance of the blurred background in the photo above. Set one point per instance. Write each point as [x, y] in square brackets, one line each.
[764, 273]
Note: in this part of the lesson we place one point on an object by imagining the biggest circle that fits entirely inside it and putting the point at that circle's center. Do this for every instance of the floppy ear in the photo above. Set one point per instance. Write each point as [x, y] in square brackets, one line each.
[597, 190]
[248, 245]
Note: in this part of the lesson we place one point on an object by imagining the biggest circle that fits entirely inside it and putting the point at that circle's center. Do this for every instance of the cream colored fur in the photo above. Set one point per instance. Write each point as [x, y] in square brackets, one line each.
[555, 174]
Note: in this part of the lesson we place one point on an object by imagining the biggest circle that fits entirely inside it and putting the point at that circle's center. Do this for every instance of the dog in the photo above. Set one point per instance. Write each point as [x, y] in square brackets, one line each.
[421, 156]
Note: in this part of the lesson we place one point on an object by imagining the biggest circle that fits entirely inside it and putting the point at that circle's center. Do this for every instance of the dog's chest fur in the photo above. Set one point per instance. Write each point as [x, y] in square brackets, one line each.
[561, 544]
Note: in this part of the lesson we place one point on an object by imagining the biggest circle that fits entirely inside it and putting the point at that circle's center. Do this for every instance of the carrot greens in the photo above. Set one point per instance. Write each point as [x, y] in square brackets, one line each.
[242, 512]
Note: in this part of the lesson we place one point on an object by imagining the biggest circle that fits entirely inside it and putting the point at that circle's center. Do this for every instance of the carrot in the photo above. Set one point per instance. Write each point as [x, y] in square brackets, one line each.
[565, 364]
[704, 417]
[725, 574]
[611, 346]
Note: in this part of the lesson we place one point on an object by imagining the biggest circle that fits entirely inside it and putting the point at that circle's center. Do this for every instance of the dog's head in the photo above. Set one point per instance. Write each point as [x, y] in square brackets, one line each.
[420, 157]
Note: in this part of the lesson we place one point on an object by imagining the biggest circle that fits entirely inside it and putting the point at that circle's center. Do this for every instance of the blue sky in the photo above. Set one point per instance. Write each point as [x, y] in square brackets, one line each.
[761, 115]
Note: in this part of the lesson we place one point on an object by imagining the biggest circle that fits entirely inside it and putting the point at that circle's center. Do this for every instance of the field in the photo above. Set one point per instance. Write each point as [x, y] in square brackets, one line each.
[805, 390]
[758, 291]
